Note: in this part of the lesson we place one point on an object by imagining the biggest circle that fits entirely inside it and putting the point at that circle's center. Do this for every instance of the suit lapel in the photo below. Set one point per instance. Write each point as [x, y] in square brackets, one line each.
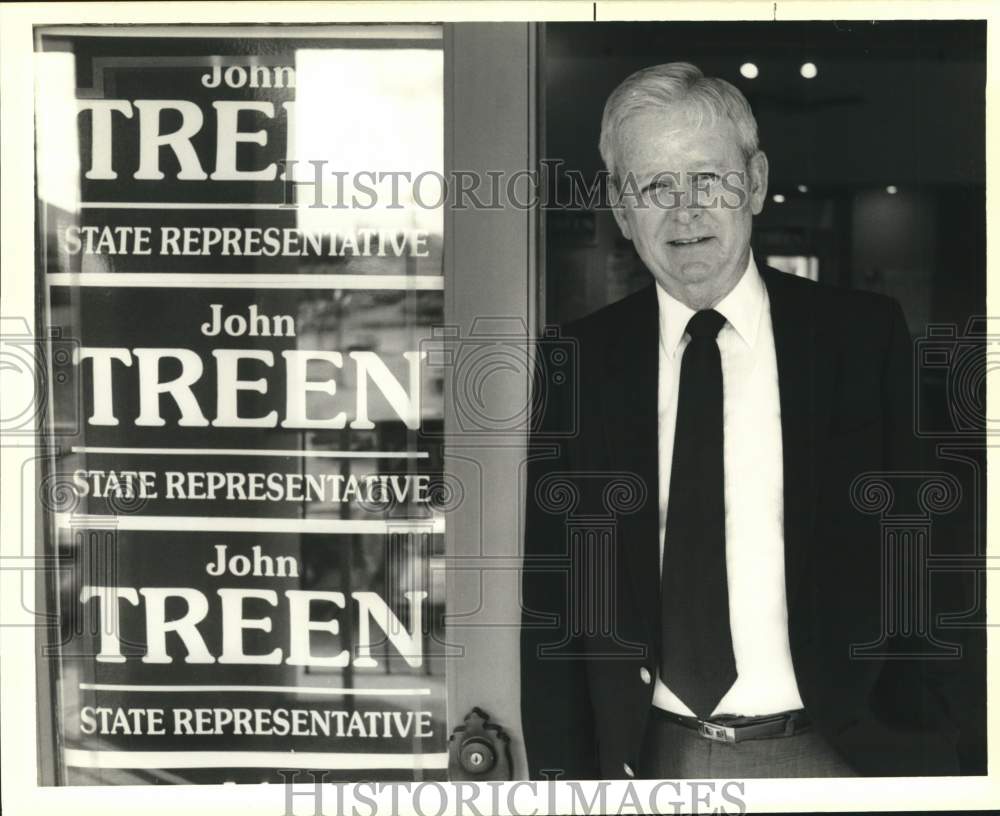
[630, 399]
[630, 426]
[804, 405]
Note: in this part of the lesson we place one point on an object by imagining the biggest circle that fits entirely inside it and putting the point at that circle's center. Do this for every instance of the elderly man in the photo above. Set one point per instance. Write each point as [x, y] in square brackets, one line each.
[697, 618]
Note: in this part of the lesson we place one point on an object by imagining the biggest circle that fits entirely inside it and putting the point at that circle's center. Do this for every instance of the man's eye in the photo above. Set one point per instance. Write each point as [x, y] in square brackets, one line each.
[708, 177]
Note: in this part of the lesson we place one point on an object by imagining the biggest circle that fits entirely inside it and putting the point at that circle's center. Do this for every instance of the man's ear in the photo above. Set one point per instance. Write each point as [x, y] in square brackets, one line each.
[618, 207]
[758, 168]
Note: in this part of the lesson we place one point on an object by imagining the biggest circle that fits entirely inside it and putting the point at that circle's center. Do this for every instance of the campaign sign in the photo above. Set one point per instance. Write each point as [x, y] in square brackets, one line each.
[239, 494]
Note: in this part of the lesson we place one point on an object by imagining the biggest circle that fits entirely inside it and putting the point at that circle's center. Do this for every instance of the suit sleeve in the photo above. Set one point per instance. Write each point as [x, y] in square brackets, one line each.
[926, 693]
[556, 713]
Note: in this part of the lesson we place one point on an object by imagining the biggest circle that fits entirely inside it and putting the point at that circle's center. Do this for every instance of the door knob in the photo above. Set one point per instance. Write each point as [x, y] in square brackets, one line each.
[479, 750]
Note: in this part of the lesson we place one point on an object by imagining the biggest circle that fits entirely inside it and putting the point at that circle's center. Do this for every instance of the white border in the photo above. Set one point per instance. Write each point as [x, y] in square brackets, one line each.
[254, 280]
[248, 524]
[323, 691]
[76, 758]
[297, 454]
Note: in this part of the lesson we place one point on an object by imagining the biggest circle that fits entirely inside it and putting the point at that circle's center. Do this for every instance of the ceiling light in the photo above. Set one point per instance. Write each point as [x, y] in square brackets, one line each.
[749, 70]
[808, 70]
[892, 189]
[778, 198]
[802, 188]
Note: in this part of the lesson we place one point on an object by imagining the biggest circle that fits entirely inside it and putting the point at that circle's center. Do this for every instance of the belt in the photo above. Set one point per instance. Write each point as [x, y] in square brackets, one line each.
[731, 728]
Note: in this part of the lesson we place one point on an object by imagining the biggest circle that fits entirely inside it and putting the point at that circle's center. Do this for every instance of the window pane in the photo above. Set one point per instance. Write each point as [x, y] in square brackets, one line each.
[241, 273]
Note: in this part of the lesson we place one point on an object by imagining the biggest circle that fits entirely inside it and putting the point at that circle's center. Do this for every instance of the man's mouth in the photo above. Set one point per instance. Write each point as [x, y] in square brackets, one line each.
[688, 241]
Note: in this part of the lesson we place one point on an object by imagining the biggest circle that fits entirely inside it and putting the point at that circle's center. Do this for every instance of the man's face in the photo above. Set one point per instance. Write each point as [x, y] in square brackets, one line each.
[689, 207]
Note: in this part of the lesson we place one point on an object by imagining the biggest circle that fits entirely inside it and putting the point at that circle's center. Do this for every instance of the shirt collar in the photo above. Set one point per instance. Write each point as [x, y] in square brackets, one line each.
[741, 308]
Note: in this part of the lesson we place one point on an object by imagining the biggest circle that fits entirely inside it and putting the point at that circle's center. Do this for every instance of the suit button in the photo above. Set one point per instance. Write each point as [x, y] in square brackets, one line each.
[628, 770]
[645, 676]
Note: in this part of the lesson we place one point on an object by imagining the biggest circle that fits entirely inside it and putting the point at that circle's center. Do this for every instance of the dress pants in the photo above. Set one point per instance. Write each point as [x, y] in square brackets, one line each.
[671, 751]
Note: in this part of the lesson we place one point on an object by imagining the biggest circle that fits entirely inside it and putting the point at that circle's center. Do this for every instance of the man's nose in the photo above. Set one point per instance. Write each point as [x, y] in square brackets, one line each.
[685, 214]
[686, 206]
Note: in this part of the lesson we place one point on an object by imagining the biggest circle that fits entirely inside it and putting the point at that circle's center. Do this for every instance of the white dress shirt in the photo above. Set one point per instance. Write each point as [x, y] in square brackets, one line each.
[755, 557]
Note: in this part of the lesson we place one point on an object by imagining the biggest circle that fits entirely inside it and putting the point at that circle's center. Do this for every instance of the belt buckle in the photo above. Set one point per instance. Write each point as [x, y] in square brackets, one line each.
[717, 733]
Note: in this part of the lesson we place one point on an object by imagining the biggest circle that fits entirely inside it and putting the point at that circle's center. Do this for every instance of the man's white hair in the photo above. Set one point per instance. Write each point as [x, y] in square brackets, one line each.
[660, 86]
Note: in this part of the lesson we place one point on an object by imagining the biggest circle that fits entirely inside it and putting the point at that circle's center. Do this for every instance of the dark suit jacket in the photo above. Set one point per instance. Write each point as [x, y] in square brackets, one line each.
[845, 382]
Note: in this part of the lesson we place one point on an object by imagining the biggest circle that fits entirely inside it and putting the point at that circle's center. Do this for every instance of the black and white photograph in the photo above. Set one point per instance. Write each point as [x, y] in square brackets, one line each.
[785, 228]
[496, 408]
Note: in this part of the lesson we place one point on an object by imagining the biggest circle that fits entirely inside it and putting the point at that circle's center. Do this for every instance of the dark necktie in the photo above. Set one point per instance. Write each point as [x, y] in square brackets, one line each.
[697, 661]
